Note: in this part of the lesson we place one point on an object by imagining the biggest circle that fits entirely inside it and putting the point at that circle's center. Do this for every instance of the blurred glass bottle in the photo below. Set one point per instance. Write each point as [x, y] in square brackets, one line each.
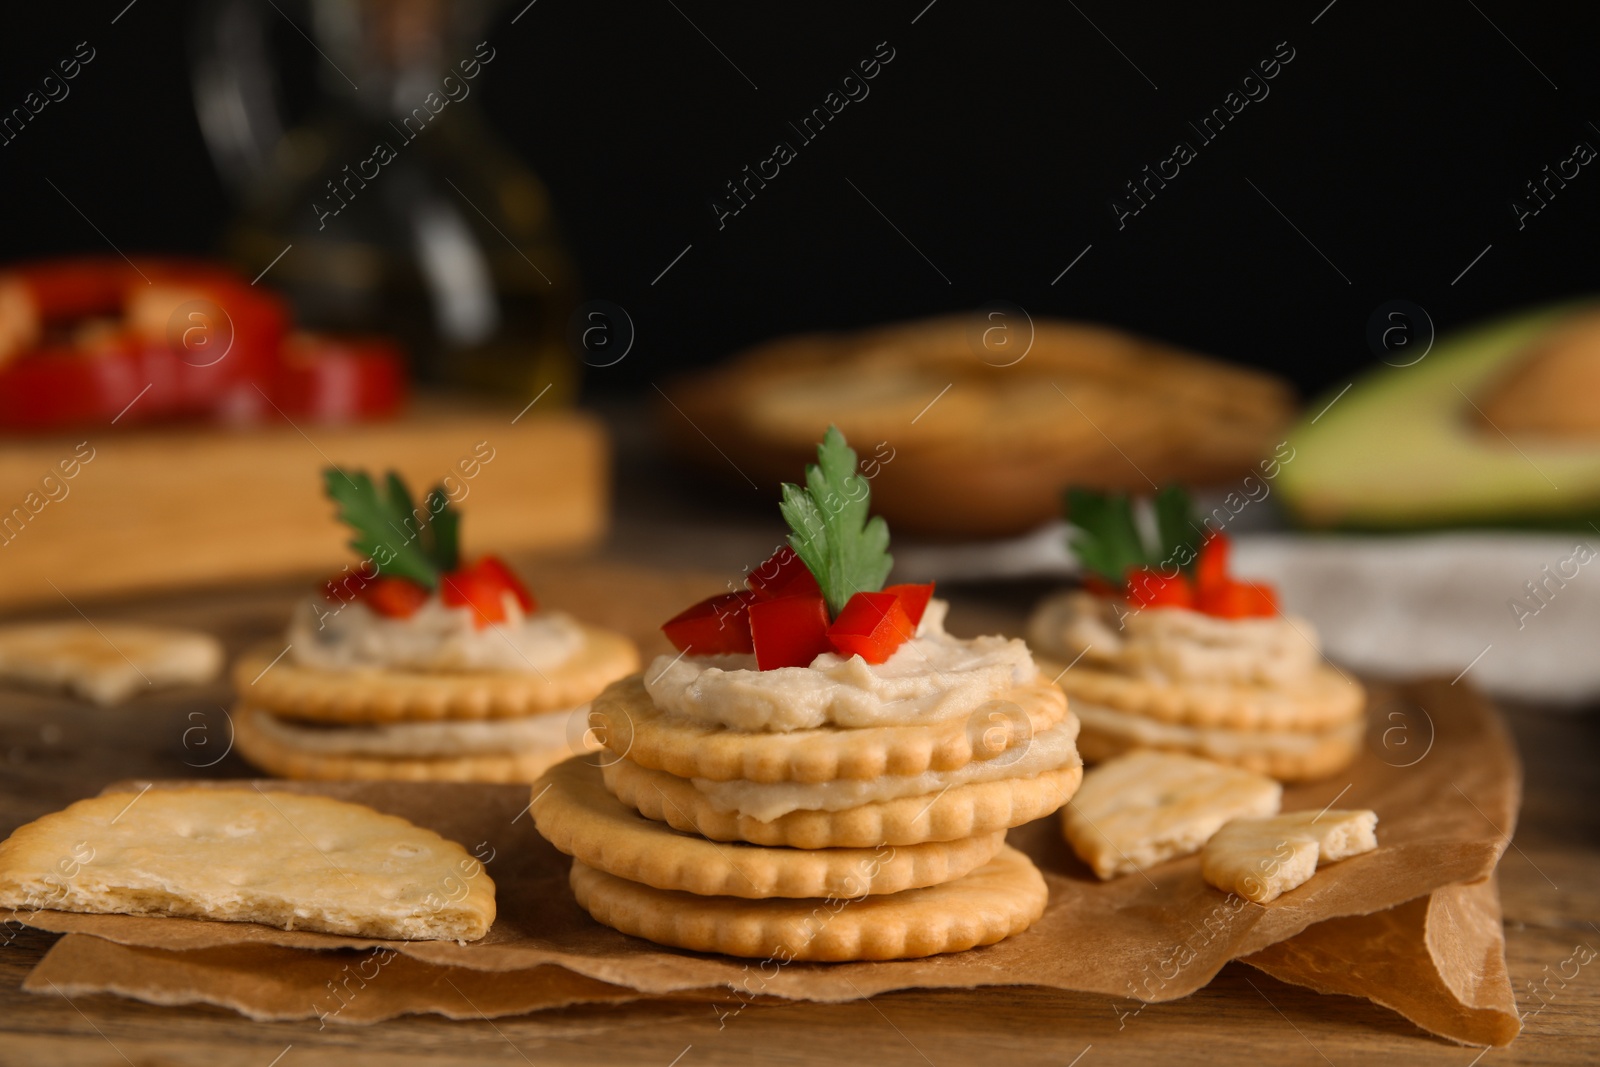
[404, 213]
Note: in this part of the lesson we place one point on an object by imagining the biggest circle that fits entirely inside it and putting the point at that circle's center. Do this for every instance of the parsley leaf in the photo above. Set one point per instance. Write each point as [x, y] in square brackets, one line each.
[1176, 525]
[845, 550]
[402, 540]
[1104, 535]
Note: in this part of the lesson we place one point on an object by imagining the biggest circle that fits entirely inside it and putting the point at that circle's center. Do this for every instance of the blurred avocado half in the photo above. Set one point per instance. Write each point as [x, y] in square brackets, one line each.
[1498, 425]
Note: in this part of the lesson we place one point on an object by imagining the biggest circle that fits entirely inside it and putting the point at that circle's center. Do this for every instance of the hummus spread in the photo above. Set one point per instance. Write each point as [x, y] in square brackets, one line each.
[1048, 750]
[1174, 644]
[436, 638]
[931, 678]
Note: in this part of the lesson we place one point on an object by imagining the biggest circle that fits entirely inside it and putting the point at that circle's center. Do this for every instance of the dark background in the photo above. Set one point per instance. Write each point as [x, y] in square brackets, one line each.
[1395, 141]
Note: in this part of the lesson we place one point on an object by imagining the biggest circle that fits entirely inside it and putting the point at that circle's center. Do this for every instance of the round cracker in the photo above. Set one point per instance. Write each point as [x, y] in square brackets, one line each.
[576, 814]
[287, 761]
[625, 719]
[1003, 897]
[1288, 756]
[370, 696]
[956, 812]
[1325, 699]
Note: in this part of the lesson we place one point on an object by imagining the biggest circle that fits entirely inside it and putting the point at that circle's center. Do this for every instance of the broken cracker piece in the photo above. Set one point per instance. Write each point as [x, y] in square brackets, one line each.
[1144, 808]
[1261, 859]
[286, 860]
[109, 663]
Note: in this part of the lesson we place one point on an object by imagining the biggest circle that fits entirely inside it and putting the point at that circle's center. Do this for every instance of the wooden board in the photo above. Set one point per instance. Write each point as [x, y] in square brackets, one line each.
[154, 509]
[55, 751]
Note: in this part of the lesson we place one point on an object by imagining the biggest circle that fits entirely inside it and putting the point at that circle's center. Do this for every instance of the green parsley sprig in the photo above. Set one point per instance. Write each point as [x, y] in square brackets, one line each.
[831, 531]
[403, 540]
[1104, 535]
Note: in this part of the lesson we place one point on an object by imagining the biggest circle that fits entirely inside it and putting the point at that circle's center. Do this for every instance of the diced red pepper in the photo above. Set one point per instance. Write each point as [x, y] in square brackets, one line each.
[394, 598]
[497, 570]
[790, 631]
[482, 588]
[1097, 585]
[783, 573]
[914, 598]
[1239, 600]
[716, 625]
[1211, 565]
[1149, 588]
[872, 626]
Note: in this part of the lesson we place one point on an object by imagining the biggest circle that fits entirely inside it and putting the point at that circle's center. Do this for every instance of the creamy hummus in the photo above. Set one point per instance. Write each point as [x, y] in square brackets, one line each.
[1048, 750]
[930, 678]
[552, 730]
[1174, 644]
[437, 638]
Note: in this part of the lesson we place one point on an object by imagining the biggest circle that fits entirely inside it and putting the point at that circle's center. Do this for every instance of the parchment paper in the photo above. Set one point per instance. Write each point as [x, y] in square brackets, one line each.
[1439, 960]
[1446, 789]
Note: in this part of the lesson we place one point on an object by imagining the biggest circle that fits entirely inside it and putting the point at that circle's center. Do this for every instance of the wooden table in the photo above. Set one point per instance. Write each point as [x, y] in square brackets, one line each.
[54, 751]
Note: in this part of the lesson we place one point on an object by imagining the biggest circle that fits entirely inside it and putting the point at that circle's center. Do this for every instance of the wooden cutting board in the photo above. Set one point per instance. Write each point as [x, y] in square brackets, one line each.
[103, 512]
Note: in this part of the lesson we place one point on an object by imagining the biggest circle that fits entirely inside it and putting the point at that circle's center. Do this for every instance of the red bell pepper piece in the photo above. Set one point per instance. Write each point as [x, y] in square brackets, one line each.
[1211, 565]
[1099, 586]
[914, 598]
[789, 631]
[482, 588]
[328, 378]
[716, 625]
[872, 626]
[1239, 600]
[394, 598]
[1149, 588]
[782, 574]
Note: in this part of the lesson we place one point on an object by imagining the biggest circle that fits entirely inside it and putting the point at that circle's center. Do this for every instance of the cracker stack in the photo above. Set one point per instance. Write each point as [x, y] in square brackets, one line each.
[661, 851]
[298, 721]
[1291, 733]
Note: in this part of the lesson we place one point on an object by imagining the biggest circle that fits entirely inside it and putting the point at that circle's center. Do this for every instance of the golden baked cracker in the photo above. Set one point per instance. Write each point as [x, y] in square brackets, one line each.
[248, 855]
[957, 812]
[395, 696]
[287, 761]
[1288, 755]
[626, 720]
[108, 663]
[1324, 700]
[577, 815]
[1003, 897]
[1261, 859]
[1148, 807]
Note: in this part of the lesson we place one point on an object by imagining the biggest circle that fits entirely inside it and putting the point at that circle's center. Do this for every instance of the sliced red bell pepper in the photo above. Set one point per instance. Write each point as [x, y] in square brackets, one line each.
[1149, 588]
[789, 631]
[394, 598]
[1211, 565]
[913, 597]
[716, 625]
[872, 626]
[1239, 600]
[783, 573]
[482, 587]
[328, 378]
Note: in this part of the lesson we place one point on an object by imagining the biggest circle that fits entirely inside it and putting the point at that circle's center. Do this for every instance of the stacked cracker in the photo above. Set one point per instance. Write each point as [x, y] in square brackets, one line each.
[922, 873]
[1293, 730]
[1165, 649]
[858, 765]
[300, 721]
[420, 665]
